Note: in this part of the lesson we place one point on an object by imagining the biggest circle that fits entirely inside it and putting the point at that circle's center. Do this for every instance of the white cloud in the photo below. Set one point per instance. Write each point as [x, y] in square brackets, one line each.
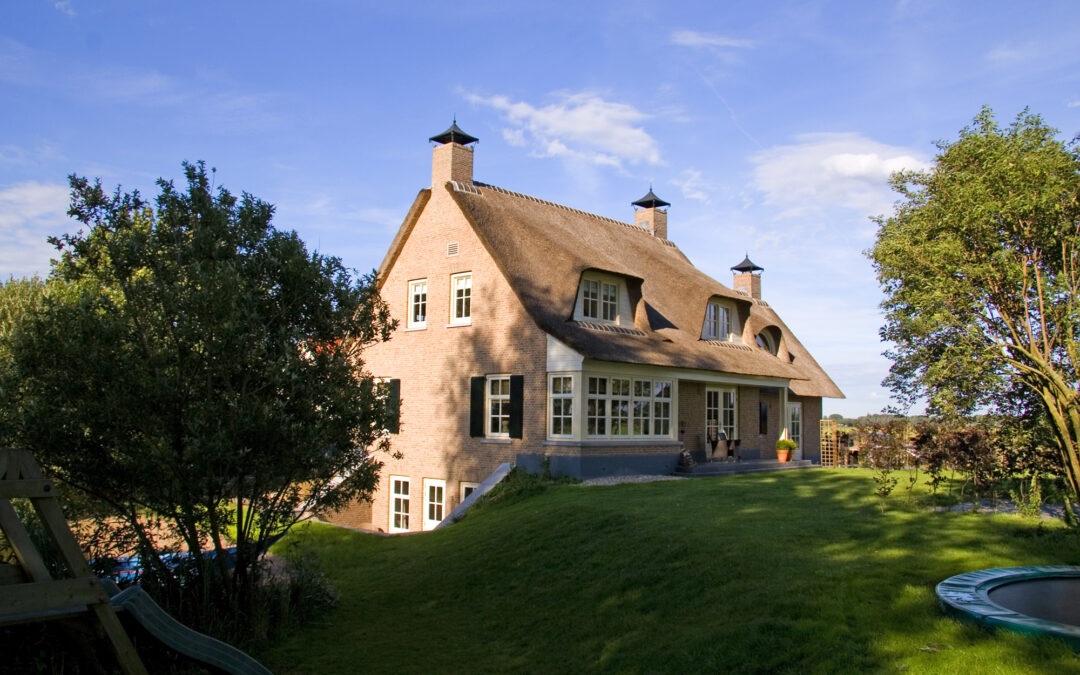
[580, 126]
[1074, 104]
[30, 212]
[825, 170]
[693, 38]
[1006, 53]
[693, 185]
[64, 6]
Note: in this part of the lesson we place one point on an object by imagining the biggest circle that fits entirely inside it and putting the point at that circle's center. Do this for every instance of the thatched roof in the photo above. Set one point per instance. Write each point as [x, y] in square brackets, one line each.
[543, 248]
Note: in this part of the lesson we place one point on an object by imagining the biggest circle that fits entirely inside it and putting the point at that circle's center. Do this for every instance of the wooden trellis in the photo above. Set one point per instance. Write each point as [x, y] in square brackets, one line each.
[830, 443]
[27, 591]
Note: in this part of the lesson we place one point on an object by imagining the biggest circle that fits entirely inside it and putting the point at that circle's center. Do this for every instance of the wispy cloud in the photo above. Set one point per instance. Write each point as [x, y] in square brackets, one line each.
[581, 126]
[1014, 52]
[826, 170]
[204, 103]
[30, 212]
[1074, 104]
[693, 185]
[693, 38]
[64, 7]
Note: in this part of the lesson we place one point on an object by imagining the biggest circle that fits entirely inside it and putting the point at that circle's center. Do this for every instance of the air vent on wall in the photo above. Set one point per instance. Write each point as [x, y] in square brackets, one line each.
[452, 248]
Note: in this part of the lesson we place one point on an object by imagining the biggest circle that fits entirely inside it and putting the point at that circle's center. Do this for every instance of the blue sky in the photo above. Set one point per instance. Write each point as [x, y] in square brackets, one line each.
[771, 127]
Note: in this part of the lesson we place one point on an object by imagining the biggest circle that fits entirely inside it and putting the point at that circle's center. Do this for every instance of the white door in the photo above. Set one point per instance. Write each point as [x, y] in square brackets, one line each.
[434, 502]
[794, 426]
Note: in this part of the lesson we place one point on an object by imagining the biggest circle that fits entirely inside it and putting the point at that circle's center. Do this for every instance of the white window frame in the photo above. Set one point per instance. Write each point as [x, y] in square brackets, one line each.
[601, 298]
[434, 510]
[503, 400]
[624, 407]
[465, 489]
[717, 324]
[561, 406]
[397, 500]
[794, 423]
[590, 299]
[609, 302]
[461, 316]
[412, 321]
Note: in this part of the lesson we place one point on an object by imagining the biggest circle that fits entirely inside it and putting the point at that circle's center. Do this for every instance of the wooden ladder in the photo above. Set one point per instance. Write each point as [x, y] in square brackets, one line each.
[28, 592]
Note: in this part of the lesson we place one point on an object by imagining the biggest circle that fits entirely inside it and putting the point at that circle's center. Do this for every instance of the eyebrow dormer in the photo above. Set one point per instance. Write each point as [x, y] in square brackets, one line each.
[722, 321]
[606, 298]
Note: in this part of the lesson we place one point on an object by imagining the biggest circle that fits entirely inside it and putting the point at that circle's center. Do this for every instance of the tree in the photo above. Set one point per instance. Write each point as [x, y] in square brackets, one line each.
[981, 272]
[202, 367]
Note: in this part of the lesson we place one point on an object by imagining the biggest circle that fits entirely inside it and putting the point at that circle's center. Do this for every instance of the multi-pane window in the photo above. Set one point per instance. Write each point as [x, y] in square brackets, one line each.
[562, 406]
[498, 395]
[795, 422]
[728, 412]
[627, 407]
[596, 408]
[716, 325]
[461, 298]
[590, 299]
[417, 304]
[467, 489]
[609, 301]
[399, 505]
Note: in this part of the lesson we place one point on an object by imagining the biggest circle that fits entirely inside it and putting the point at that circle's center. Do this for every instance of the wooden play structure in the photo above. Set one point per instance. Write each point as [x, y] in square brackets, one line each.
[29, 593]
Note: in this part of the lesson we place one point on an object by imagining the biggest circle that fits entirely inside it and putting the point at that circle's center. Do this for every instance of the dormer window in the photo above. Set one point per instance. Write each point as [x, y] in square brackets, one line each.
[717, 326]
[765, 341]
[602, 299]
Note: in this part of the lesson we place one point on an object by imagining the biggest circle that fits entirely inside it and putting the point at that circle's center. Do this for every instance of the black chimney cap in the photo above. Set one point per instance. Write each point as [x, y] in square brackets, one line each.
[650, 201]
[454, 135]
[747, 266]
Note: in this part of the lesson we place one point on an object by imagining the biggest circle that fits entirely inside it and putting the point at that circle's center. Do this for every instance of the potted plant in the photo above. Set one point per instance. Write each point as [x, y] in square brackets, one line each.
[784, 448]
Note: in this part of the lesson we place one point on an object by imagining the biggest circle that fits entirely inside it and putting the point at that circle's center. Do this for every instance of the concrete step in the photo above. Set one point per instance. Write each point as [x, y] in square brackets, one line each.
[748, 466]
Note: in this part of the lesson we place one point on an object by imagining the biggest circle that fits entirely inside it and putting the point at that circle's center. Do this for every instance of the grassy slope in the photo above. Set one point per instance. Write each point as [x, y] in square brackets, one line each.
[789, 572]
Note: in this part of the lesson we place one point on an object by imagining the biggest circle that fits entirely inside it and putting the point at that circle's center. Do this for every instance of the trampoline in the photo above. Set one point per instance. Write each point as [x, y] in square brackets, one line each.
[1029, 600]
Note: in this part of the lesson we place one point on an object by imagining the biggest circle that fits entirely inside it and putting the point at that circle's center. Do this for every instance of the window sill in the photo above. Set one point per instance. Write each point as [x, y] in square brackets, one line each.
[413, 328]
[459, 324]
[497, 441]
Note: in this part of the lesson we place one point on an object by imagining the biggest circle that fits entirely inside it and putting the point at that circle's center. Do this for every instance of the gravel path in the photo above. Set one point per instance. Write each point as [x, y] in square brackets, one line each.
[636, 478]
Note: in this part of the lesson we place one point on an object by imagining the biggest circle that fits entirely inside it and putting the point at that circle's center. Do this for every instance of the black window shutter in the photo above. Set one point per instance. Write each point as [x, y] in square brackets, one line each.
[476, 407]
[393, 406]
[517, 404]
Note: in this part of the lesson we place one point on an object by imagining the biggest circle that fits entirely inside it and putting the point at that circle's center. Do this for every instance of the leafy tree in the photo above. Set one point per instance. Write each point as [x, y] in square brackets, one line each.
[203, 367]
[981, 272]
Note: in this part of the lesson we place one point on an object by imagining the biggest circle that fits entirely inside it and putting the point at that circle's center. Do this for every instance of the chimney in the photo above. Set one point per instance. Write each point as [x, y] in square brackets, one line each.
[650, 216]
[452, 159]
[748, 278]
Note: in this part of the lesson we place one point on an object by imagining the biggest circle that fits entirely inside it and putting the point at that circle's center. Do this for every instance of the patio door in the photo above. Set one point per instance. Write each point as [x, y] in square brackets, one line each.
[712, 418]
[794, 426]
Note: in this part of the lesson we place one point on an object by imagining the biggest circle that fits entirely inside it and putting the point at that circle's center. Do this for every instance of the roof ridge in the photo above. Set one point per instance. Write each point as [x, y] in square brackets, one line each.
[473, 189]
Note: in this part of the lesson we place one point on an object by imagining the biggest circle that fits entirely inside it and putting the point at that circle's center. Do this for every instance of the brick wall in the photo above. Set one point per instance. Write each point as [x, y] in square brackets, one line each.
[435, 364]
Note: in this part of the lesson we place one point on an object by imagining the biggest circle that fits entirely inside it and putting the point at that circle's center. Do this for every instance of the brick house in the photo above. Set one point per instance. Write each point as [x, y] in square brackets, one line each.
[532, 330]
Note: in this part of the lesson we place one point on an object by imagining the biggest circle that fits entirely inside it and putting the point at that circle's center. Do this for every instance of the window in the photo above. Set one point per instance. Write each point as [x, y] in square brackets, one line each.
[763, 418]
[417, 304]
[467, 489]
[765, 341]
[399, 504]
[628, 407]
[497, 406]
[717, 326]
[599, 300]
[461, 299]
[388, 390]
[590, 299]
[609, 301]
[434, 500]
[498, 396]
[562, 405]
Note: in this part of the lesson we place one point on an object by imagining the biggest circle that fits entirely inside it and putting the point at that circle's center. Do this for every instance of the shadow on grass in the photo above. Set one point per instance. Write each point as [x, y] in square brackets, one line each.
[789, 572]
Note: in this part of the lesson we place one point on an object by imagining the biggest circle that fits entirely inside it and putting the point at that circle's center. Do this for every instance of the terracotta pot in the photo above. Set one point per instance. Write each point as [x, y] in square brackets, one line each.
[783, 455]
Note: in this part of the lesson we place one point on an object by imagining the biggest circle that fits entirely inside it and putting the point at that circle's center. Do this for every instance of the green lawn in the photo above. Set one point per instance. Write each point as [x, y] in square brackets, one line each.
[796, 571]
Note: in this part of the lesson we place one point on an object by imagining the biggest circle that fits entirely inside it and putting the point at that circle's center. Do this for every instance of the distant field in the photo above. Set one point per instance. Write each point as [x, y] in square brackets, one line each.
[794, 572]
